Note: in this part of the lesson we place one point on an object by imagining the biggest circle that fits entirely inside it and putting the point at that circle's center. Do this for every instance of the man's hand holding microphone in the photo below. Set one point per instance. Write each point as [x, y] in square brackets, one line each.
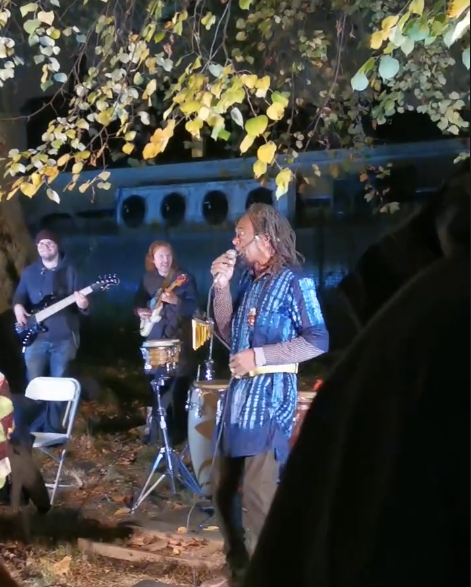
[222, 269]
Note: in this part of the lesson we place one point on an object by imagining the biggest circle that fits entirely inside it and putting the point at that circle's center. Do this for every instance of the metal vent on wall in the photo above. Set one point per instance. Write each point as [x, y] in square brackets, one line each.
[173, 208]
[215, 207]
[212, 203]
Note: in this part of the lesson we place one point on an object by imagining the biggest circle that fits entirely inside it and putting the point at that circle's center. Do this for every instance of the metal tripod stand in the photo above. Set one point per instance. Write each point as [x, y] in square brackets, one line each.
[176, 469]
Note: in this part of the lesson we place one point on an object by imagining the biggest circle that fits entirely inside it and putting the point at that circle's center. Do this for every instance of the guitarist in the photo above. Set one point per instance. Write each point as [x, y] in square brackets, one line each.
[179, 305]
[52, 352]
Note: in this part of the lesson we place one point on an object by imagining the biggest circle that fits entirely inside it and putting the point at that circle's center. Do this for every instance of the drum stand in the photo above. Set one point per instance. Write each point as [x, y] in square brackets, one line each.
[176, 469]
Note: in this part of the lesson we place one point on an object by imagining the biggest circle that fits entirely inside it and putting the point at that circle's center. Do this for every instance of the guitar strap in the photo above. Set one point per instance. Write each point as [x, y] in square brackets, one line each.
[167, 281]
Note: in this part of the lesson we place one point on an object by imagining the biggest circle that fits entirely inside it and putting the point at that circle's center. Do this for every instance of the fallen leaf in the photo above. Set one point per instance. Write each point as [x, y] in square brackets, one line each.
[156, 546]
[182, 530]
[121, 512]
[211, 529]
[62, 567]
[176, 551]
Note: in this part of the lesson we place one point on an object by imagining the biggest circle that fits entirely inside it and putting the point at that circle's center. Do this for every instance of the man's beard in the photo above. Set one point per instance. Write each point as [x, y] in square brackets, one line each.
[48, 257]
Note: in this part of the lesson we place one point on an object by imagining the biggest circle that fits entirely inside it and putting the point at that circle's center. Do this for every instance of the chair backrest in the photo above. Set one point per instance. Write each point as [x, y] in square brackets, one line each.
[57, 389]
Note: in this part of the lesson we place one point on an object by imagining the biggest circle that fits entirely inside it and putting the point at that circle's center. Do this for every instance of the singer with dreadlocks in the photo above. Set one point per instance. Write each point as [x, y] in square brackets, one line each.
[274, 323]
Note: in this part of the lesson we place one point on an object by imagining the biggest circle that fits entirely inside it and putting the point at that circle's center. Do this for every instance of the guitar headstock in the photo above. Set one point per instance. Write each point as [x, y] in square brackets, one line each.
[181, 279]
[104, 282]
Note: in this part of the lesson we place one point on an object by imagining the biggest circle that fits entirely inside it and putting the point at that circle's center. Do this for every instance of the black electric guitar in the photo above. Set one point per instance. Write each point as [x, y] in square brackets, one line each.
[49, 306]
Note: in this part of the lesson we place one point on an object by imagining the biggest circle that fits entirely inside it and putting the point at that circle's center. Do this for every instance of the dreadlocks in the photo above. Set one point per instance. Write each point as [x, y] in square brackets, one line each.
[269, 222]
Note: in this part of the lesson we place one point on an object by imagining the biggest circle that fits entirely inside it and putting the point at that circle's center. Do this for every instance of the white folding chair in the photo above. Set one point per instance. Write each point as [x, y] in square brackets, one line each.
[56, 389]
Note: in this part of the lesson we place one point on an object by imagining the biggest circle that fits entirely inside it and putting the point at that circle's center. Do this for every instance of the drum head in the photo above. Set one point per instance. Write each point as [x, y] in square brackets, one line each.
[152, 344]
[216, 385]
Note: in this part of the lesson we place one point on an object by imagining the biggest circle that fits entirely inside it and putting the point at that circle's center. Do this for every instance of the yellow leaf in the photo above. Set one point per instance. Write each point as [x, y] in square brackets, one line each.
[282, 182]
[457, 7]
[388, 23]
[194, 127]
[151, 150]
[63, 160]
[249, 81]
[77, 168]
[256, 126]
[190, 107]
[275, 111]
[376, 40]
[204, 113]
[103, 118]
[128, 148]
[262, 86]
[36, 179]
[84, 187]
[182, 530]
[266, 153]
[150, 89]
[245, 4]
[28, 189]
[246, 143]
[168, 130]
[417, 7]
[259, 168]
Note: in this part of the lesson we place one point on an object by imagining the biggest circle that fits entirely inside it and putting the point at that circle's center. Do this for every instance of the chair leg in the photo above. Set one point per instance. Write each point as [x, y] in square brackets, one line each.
[58, 475]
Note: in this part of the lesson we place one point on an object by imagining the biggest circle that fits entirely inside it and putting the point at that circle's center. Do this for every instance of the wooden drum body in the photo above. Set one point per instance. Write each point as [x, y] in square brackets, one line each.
[158, 354]
[305, 399]
[202, 405]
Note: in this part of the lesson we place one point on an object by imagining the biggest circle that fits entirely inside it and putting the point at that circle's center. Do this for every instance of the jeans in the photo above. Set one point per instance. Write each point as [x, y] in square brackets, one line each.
[53, 358]
[44, 358]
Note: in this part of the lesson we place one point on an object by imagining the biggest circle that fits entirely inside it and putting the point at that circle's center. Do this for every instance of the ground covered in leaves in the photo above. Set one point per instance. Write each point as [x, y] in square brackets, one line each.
[108, 454]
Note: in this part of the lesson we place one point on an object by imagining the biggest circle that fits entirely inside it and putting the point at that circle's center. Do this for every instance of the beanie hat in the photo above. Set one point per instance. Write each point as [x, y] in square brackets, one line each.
[46, 235]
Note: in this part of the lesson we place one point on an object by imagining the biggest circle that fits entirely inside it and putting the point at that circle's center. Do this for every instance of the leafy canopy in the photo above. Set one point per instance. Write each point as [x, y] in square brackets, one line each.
[243, 72]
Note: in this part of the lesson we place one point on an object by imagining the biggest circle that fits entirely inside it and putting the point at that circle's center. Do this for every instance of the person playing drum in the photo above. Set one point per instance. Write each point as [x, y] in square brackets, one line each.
[179, 303]
[274, 323]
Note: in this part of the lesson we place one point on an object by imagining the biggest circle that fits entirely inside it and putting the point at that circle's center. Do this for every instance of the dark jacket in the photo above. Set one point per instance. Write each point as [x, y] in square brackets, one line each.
[376, 490]
[37, 282]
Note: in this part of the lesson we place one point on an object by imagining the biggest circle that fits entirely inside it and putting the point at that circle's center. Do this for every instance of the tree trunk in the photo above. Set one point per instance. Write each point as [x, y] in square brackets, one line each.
[16, 251]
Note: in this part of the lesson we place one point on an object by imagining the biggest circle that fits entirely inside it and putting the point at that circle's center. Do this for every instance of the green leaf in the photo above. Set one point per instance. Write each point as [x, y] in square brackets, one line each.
[256, 126]
[465, 58]
[388, 67]
[27, 8]
[359, 82]
[30, 26]
[278, 98]
[245, 4]
[408, 46]
[368, 66]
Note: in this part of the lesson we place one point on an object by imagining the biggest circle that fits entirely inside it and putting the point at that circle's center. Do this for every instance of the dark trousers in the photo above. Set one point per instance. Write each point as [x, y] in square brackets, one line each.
[44, 358]
[255, 480]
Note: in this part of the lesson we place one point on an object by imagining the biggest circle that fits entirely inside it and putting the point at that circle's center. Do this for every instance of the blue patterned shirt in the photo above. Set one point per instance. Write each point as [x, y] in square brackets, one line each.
[268, 310]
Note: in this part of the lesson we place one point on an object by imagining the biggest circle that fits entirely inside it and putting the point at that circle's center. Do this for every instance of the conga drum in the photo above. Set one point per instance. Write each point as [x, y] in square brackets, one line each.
[305, 399]
[203, 404]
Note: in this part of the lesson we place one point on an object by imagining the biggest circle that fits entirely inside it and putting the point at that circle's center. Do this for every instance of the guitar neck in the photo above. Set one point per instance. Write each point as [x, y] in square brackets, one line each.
[58, 306]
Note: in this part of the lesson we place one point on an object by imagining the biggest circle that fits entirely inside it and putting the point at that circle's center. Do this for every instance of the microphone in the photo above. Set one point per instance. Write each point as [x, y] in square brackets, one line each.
[232, 253]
